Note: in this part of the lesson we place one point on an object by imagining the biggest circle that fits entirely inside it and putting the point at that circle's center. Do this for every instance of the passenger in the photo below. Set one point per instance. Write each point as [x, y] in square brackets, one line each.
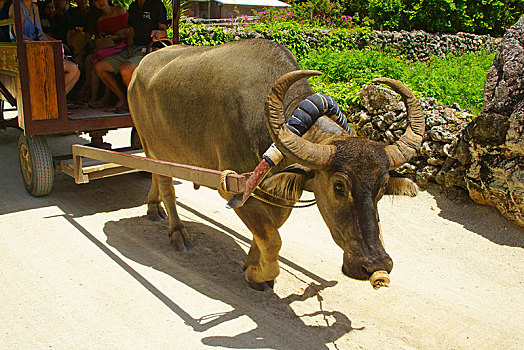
[32, 30]
[147, 20]
[113, 29]
[77, 38]
[91, 30]
[4, 14]
[79, 13]
[61, 21]
[48, 13]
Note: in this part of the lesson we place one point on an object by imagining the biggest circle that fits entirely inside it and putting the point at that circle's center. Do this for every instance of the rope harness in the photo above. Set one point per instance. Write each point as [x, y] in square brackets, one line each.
[263, 195]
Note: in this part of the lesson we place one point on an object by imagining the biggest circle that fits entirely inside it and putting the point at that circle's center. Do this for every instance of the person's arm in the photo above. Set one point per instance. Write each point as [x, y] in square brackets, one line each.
[161, 17]
[131, 37]
[121, 35]
[159, 33]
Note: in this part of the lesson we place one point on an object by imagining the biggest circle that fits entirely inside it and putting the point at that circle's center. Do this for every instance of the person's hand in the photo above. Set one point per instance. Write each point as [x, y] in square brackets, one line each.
[157, 34]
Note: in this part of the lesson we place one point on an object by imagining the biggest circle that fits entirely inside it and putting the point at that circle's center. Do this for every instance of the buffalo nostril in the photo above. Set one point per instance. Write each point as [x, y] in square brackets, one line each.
[365, 271]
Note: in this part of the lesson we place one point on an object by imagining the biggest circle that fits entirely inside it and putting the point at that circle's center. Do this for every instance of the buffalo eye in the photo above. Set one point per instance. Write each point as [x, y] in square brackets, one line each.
[339, 188]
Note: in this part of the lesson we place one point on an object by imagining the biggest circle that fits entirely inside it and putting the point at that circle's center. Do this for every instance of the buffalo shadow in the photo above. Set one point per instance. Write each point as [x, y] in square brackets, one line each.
[151, 248]
[217, 259]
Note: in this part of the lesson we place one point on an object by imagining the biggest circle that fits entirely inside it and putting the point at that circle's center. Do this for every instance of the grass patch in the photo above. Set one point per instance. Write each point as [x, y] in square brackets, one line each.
[454, 79]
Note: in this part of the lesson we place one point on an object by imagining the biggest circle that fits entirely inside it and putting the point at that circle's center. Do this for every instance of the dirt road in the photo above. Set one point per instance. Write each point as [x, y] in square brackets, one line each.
[83, 268]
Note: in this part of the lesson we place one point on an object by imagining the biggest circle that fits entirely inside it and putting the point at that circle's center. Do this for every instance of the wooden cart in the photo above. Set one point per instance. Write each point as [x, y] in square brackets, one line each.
[32, 79]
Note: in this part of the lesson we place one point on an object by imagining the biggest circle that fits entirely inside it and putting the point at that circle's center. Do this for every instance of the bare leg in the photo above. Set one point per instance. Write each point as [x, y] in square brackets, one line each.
[126, 70]
[71, 75]
[106, 74]
[94, 85]
[88, 64]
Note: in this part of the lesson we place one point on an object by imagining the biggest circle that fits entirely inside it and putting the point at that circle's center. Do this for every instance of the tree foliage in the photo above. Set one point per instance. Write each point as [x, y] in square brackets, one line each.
[492, 17]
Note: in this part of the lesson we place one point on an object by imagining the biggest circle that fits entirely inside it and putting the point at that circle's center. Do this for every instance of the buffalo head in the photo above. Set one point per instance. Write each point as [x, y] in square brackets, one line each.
[348, 174]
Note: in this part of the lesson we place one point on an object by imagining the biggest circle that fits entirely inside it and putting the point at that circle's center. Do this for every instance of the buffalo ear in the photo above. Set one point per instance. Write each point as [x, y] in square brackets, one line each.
[307, 174]
[400, 186]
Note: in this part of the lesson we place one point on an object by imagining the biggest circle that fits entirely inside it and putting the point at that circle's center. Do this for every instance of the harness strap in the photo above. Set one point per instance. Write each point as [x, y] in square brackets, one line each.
[271, 199]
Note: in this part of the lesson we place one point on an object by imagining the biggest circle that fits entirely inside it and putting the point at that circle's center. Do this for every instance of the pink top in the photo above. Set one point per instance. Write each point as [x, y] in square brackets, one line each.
[112, 25]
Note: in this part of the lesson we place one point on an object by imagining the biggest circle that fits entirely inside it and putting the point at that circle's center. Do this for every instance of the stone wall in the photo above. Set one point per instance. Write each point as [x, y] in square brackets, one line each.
[415, 46]
[493, 144]
[481, 159]
[419, 45]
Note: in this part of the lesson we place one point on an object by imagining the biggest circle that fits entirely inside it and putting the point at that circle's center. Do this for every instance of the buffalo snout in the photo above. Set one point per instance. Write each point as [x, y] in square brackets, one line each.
[362, 267]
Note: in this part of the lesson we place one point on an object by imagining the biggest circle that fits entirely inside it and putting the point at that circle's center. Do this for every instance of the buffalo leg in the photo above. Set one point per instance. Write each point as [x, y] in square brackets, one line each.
[177, 232]
[155, 212]
[253, 256]
[261, 266]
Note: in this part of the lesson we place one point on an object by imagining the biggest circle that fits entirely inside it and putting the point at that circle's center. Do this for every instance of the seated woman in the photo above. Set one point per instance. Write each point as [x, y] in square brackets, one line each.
[112, 25]
[32, 30]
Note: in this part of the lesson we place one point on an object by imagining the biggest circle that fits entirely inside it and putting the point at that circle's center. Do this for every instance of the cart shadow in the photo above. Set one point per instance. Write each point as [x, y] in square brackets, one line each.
[214, 269]
[483, 220]
[113, 193]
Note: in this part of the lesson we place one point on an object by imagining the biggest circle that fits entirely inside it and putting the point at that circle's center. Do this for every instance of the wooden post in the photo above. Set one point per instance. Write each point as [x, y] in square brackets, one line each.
[175, 21]
[24, 101]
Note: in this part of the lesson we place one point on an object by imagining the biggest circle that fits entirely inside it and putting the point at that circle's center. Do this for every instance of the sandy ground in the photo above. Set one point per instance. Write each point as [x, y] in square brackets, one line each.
[83, 268]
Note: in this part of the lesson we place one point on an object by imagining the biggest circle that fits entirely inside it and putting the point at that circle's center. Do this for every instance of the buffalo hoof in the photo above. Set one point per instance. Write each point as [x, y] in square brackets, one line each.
[181, 243]
[262, 286]
[157, 215]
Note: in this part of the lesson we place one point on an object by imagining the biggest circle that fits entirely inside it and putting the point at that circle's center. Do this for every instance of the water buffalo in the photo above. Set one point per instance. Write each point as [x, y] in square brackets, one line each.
[212, 107]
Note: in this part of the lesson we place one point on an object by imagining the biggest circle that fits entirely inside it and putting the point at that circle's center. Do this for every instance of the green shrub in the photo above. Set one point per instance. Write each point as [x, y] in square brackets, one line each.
[492, 17]
[200, 35]
[312, 12]
[455, 79]
[388, 14]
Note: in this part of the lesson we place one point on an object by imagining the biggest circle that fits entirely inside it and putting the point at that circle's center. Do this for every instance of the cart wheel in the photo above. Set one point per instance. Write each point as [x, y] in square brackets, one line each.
[36, 165]
[135, 139]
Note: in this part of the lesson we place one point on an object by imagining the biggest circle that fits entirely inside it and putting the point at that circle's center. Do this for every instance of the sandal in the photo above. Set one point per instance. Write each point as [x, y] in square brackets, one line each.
[96, 104]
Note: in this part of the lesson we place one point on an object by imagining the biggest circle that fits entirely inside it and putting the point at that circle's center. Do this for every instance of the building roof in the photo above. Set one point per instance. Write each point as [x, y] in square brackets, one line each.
[261, 3]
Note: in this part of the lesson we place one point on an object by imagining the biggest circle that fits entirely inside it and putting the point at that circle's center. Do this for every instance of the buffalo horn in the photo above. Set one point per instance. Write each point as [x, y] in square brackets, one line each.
[301, 151]
[403, 149]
